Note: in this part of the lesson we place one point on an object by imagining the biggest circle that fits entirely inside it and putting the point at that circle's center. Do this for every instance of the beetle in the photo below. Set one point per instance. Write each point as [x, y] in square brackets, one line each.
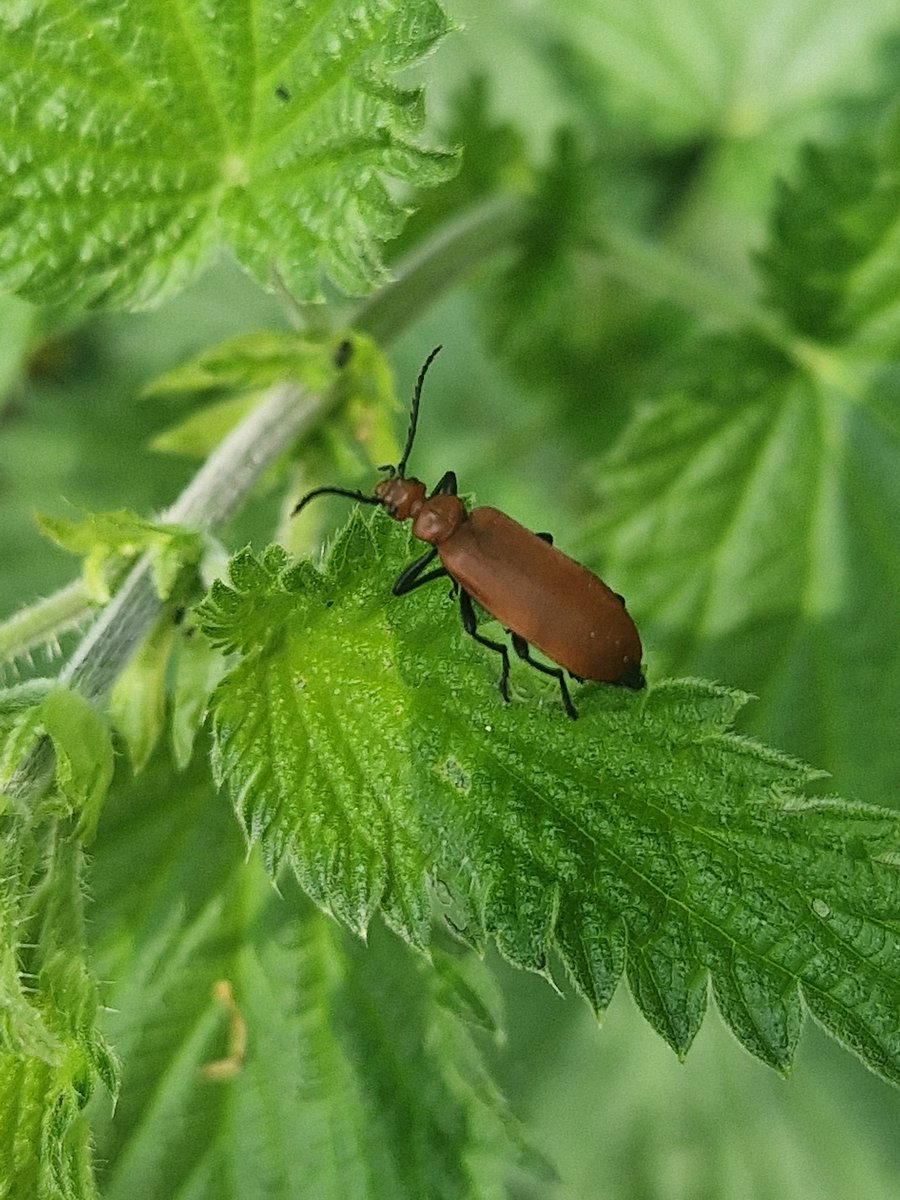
[542, 597]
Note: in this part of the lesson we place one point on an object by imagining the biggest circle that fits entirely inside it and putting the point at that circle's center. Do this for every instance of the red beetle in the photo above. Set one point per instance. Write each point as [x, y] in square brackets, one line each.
[542, 597]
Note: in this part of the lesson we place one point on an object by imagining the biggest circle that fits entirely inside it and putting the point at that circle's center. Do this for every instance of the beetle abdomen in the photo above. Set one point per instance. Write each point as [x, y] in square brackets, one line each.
[547, 598]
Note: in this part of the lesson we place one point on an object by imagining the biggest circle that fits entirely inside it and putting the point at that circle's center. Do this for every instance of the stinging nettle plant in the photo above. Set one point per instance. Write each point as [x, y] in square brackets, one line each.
[375, 775]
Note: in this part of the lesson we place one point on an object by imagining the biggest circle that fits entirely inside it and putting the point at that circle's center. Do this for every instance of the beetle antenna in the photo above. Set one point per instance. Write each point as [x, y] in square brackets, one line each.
[414, 413]
[333, 491]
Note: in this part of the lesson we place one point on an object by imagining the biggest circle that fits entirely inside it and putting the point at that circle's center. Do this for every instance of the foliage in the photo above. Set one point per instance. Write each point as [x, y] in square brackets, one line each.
[168, 132]
[647, 833]
[675, 234]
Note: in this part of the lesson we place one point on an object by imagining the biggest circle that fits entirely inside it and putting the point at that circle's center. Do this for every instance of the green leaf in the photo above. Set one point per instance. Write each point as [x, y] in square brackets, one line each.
[249, 363]
[51, 1056]
[362, 436]
[18, 733]
[270, 612]
[149, 140]
[198, 668]
[356, 1078]
[364, 744]
[23, 1031]
[683, 70]
[21, 696]
[835, 238]
[750, 515]
[109, 539]
[82, 741]
[138, 697]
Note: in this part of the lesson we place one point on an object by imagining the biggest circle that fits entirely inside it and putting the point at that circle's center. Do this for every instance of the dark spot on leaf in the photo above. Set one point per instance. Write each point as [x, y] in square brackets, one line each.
[343, 353]
[282, 93]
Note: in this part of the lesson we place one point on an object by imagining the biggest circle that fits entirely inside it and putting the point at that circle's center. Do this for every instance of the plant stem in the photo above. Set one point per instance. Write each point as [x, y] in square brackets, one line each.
[43, 622]
[427, 273]
[216, 491]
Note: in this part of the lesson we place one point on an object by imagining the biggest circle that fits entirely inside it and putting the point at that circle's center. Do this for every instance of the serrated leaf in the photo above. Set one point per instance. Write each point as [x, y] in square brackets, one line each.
[23, 1032]
[267, 612]
[355, 1078]
[250, 362]
[362, 740]
[750, 514]
[107, 539]
[141, 141]
[41, 1113]
[835, 237]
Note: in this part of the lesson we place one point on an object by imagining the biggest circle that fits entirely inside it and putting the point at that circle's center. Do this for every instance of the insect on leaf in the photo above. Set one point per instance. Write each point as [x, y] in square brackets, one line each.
[365, 745]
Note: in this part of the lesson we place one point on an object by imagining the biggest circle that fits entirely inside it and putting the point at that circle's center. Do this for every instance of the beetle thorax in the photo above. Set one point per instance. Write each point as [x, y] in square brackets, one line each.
[438, 518]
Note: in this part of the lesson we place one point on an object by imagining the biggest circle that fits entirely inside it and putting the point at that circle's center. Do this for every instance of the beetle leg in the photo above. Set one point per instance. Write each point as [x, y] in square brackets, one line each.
[446, 485]
[633, 678]
[412, 577]
[521, 648]
[545, 537]
[470, 625]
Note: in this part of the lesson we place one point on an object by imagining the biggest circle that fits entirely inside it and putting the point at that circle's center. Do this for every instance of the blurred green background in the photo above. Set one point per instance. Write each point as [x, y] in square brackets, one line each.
[698, 108]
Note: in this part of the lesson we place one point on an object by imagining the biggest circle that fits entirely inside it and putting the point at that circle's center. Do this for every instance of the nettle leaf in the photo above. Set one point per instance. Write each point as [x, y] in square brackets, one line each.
[138, 141]
[352, 365]
[23, 1032]
[254, 361]
[109, 539]
[51, 1055]
[311, 1066]
[678, 69]
[358, 849]
[830, 263]
[364, 744]
[197, 670]
[751, 507]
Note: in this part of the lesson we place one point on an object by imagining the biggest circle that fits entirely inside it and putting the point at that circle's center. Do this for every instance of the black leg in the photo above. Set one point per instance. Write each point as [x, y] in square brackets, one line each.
[467, 612]
[521, 648]
[446, 485]
[412, 577]
[633, 678]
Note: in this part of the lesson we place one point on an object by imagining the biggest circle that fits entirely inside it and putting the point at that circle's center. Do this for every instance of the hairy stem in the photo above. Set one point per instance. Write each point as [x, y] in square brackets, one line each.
[40, 624]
